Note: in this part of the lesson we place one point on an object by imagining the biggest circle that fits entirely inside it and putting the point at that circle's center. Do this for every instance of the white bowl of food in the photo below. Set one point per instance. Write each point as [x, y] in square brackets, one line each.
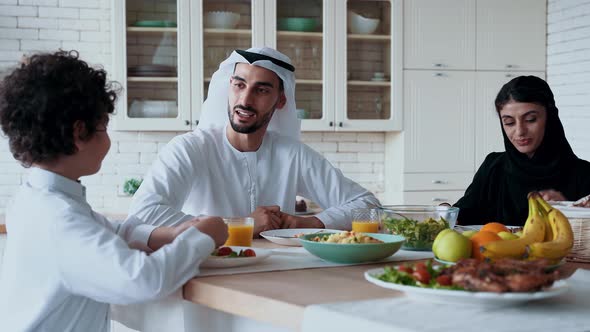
[362, 25]
[221, 20]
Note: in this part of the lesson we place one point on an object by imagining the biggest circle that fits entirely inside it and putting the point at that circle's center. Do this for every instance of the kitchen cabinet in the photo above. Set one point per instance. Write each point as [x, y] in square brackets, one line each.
[454, 66]
[469, 35]
[347, 79]
[439, 120]
[511, 35]
[439, 34]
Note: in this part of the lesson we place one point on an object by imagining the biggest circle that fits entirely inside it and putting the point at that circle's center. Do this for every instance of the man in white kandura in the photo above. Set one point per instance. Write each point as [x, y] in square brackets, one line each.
[245, 158]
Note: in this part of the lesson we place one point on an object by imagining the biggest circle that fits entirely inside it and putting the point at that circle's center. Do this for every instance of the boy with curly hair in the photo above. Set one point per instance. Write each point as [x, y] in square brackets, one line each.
[64, 263]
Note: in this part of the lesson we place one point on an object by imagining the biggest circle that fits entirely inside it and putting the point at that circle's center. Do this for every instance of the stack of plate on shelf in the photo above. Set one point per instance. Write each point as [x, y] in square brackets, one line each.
[153, 109]
[152, 71]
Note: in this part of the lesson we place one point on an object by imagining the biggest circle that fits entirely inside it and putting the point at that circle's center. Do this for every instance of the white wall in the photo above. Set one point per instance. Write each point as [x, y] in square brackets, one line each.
[568, 68]
[84, 25]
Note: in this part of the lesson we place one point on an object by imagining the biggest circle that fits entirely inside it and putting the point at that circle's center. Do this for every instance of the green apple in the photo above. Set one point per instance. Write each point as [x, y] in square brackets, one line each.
[452, 246]
[469, 234]
[507, 236]
[519, 233]
[440, 234]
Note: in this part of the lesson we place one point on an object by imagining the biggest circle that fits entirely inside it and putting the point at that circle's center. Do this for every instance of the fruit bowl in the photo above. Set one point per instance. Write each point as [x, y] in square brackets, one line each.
[297, 24]
[362, 25]
[353, 252]
[221, 20]
[419, 224]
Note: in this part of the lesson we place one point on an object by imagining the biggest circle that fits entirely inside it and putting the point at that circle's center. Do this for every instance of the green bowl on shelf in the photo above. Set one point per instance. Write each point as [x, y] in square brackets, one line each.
[297, 24]
[155, 24]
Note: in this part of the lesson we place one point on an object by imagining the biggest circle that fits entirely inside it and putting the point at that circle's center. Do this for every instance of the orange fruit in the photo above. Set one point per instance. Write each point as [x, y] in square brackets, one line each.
[479, 239]
[495, 227]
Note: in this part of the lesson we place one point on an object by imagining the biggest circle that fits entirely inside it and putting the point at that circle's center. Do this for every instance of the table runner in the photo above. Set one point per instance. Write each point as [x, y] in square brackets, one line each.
[294, 258]
[565, 313]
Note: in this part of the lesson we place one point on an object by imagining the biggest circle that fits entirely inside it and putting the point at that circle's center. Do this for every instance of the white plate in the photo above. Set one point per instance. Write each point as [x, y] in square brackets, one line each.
[465, 297]
[286, 237]
[215, 262]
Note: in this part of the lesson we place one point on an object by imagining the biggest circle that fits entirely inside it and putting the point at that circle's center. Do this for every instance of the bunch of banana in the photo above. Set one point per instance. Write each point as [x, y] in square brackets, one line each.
[561, 238]
[534, 231]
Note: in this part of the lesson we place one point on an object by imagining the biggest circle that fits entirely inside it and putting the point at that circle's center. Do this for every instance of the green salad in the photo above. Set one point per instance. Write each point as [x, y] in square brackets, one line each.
[421, 274]
[419, 235]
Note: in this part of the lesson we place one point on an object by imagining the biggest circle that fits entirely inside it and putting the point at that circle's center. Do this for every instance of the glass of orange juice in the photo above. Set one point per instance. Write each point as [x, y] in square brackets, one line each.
[365, 220]
[241, 231]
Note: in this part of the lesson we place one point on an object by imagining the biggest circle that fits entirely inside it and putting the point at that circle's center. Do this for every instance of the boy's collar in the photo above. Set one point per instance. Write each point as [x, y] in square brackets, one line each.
[39, 177]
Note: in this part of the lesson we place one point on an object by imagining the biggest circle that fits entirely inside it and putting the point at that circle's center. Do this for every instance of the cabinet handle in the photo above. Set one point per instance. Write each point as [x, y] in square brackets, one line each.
[438, 199]
[331, 124]
[340, 124]
[510, 66]
[439, 182]
[439, 65]
[197, 122]
[187, 122]
[439, 74]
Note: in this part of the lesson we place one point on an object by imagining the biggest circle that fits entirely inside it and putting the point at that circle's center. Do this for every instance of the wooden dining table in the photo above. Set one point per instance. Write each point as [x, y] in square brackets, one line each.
[280, 297]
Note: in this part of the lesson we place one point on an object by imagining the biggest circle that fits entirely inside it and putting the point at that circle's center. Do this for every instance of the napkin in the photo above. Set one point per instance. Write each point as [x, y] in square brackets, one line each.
[565, 313]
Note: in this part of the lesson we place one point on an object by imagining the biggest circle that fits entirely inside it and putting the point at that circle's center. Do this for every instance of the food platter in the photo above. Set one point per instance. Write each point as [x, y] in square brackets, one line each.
[216, 262]
[287, 237]
[460, 297]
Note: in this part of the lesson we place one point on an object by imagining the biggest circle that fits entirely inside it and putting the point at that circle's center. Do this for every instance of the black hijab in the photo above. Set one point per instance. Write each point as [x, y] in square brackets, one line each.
[500, 186]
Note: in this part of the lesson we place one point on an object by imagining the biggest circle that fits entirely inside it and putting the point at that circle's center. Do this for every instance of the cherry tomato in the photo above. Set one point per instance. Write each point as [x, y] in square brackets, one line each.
[405, 268]
[249, 253]
[444, 280]
[224, 251]
[420, 266]
[422, 276]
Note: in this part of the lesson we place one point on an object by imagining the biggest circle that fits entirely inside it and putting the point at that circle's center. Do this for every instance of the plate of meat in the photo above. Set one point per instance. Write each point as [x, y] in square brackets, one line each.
[471, 282]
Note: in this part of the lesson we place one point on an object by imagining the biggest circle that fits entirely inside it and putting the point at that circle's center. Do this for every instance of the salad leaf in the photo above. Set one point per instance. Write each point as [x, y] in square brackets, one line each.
[419, 235]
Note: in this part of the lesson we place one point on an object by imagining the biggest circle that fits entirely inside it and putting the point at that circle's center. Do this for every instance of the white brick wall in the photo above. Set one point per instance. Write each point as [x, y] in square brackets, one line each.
[84, 25]
[568, 68]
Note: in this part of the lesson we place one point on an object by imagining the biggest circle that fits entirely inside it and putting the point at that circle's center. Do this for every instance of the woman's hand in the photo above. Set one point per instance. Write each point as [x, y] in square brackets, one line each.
[552, 195]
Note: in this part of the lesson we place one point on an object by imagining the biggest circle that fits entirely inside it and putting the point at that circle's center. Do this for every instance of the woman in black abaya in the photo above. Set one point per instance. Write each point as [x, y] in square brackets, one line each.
[538, 157]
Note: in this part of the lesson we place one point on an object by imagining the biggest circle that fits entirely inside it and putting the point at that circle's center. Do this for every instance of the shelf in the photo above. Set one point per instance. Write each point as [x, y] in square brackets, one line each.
[151, 79]
[300, 34]
[369, 83]
[311, 82]
[151, 30]
[231, 32]
[370, 37]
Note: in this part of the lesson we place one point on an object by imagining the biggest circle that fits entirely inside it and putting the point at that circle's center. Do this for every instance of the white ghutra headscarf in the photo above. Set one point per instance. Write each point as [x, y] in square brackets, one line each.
[284, 121]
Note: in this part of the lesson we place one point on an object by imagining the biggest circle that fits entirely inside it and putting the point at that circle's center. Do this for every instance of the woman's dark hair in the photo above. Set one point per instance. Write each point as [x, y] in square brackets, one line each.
[526, 89]
[42, 99]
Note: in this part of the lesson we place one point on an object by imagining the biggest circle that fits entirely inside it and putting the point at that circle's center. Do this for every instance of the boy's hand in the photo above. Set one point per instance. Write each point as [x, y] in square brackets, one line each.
[212, 226]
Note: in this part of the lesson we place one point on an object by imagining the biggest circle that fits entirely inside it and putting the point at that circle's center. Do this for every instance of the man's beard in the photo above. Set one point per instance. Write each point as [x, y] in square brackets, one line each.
[248, 129]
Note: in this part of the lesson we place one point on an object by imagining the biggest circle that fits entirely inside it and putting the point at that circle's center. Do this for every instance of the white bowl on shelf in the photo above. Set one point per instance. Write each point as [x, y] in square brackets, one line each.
[362, 25]
[221, 20]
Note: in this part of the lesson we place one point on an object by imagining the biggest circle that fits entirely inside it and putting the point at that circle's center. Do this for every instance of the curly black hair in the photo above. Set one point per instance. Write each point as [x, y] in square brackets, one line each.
[42, 99]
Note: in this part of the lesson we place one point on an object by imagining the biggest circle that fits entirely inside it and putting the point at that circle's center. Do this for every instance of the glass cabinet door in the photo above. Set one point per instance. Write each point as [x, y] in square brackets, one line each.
[225, 25]
[373, 66]
[300, 36]
[151, 58]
